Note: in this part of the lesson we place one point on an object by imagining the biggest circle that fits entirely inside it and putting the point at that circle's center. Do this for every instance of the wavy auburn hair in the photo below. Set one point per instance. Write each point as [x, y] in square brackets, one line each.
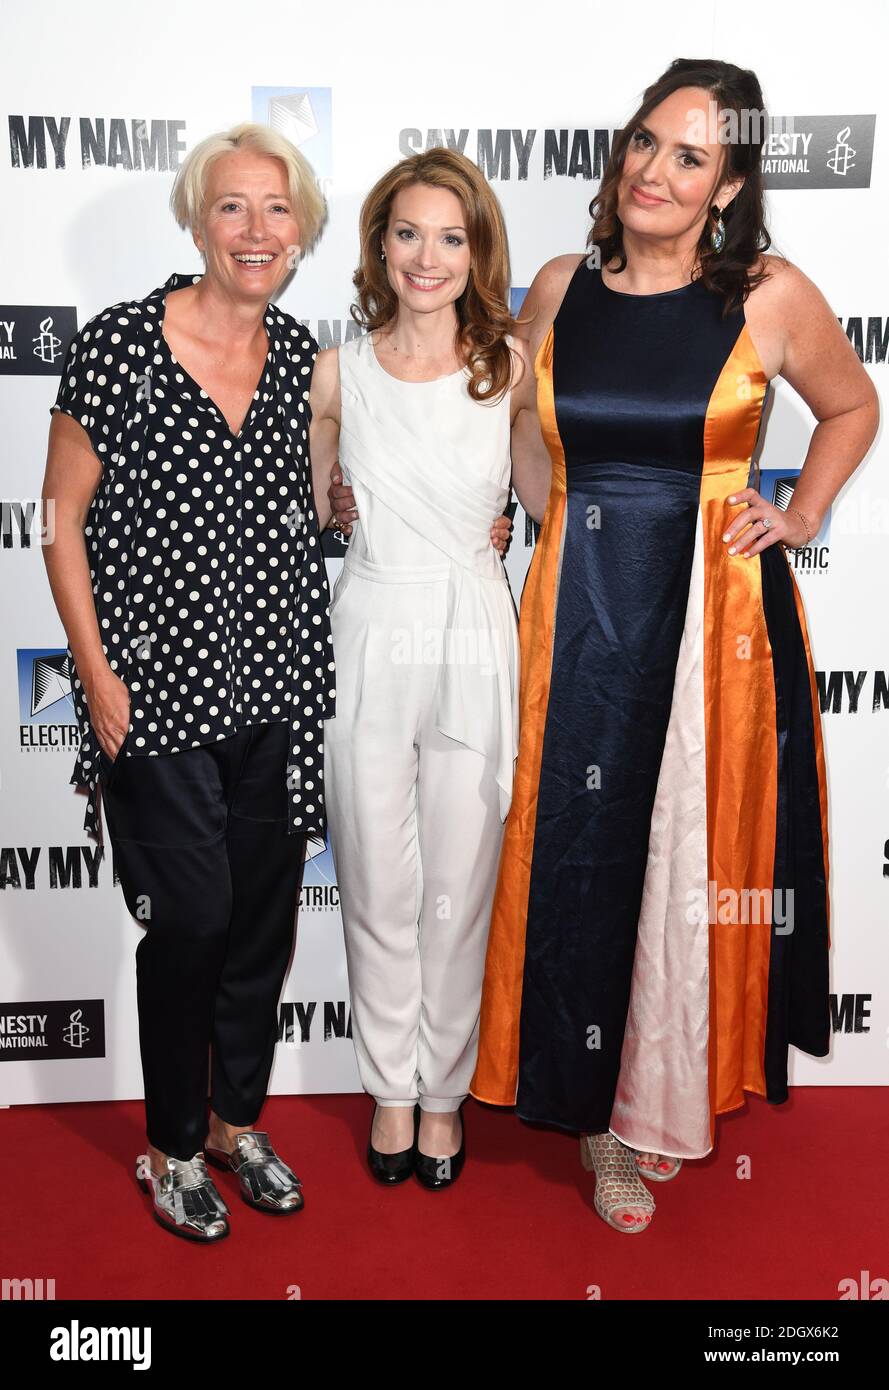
[483, 316]
[734, 89]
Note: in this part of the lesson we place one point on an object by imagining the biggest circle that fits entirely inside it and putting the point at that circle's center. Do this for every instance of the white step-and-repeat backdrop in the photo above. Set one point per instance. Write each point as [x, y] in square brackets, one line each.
[101, 101]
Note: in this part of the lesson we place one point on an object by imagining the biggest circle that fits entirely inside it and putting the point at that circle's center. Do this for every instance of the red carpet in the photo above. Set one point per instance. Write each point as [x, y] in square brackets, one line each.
[519, 1223]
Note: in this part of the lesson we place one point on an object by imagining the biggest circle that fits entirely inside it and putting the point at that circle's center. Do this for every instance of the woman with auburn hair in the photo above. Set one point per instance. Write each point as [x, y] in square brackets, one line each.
[187, 571]
[419, 758]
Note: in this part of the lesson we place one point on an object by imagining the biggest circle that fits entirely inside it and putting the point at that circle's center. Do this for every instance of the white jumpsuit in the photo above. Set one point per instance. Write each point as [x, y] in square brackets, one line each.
[418, 763]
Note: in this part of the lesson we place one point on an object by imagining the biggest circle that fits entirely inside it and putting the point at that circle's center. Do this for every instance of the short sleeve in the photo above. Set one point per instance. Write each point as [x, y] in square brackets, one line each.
[304, 361]
[93, 381]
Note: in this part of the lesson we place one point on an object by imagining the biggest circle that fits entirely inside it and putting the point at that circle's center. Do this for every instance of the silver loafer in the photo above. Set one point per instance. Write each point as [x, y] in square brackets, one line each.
[185, 1199]
[265, 1180]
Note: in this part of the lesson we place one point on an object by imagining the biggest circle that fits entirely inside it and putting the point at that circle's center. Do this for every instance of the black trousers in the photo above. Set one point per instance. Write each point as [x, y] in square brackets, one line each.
[201, 849]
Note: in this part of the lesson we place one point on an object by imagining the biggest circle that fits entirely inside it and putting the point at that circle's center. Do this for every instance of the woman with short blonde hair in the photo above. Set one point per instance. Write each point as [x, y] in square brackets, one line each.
[189, 189]
[187, 572]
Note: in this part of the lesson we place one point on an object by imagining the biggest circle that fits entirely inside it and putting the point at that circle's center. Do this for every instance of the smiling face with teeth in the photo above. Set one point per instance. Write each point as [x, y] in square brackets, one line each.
[427, 248]
[249, 232]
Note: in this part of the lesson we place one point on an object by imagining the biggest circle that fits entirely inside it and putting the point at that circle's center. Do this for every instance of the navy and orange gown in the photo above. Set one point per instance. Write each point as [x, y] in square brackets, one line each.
[660, 929]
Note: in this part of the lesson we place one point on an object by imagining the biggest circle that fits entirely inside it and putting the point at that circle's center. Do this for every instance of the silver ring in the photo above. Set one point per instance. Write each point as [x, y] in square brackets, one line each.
[766, 521]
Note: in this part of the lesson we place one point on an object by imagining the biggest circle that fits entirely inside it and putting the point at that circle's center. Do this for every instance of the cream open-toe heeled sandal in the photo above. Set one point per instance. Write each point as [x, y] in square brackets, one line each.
[652, 1174]
[617, 1182]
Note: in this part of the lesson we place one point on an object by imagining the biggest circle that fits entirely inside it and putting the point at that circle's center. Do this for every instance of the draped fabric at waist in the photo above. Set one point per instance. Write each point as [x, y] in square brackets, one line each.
[476, 697]
[396, 574]
[408, 464]
[413, 574]
[580, 471]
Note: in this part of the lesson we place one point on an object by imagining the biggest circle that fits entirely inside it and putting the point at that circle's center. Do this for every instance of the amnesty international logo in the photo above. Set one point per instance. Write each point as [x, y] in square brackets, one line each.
[34, 338]
[76, 1034]
[842, 156]
[819, 151]
[52, 1029]
[46, 345]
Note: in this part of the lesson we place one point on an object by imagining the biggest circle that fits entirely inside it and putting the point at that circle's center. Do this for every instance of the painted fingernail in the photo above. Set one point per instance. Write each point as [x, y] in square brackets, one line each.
[726, 537]
[731, 549]
[732, 499]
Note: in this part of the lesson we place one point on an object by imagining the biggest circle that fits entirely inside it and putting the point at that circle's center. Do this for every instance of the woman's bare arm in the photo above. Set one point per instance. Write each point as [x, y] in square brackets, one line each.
[324, 430]
[823, 368]
[531, 463]
[73, 473]
[804, 343]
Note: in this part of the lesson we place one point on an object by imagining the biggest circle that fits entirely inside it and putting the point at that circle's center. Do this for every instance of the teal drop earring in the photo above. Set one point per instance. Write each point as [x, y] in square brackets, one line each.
[717, 236]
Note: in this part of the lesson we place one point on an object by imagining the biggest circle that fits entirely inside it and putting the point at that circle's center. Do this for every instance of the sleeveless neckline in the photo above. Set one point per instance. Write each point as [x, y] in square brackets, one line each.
[434, 381]
[658, 294]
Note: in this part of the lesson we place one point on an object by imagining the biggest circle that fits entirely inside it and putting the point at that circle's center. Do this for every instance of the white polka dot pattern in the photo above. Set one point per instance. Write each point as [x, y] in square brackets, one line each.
[208, 577]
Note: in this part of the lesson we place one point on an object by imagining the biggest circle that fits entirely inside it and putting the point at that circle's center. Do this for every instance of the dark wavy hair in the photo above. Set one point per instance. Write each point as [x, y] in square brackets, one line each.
[729, 270]
[483, 316]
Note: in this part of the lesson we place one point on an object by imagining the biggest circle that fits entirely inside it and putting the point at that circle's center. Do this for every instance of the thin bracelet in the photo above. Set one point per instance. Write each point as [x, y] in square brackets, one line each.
[808, 531]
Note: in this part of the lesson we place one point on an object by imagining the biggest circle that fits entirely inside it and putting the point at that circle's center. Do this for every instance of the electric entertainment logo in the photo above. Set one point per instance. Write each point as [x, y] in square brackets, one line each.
[319, 892]
[303, 116]
[46, 706]
[776, 485]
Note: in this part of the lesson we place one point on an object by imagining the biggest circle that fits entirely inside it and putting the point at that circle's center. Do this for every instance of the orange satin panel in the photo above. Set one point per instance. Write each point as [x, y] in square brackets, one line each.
[496, 1073]
[820, 762]
[742, 745]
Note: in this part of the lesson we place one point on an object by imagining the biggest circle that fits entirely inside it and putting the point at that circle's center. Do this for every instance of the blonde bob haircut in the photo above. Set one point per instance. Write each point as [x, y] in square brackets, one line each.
[189, 187]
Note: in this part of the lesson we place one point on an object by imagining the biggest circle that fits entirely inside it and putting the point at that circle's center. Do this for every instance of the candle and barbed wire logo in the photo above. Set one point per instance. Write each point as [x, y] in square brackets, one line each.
[34, 338]
[47, 345]
[76, 1033]
[842, 156]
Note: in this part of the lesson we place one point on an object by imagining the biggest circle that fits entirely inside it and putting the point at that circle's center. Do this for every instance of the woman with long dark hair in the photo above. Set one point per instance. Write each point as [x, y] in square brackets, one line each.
[660, 927]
